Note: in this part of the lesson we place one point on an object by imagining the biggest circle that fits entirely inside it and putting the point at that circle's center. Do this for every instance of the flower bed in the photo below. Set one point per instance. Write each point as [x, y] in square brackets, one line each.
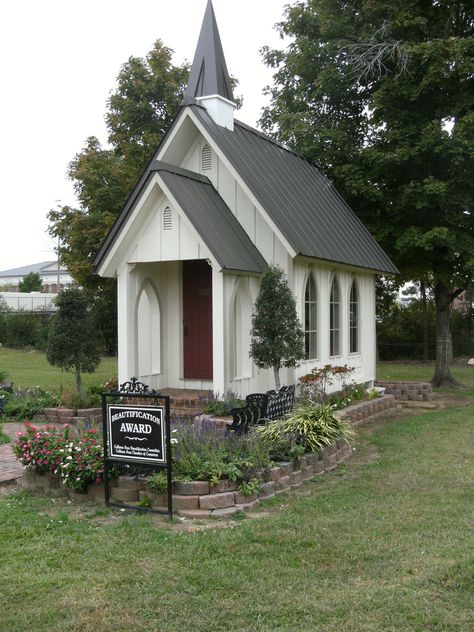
[75, 460]
[196, 499]
[214, 474]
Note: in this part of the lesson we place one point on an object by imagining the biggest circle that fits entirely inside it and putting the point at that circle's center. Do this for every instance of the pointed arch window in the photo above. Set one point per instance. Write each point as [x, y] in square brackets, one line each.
[354, 346]
[334, 319]
[310, 319]
[148, 331]
[206, 158]
[242, 323]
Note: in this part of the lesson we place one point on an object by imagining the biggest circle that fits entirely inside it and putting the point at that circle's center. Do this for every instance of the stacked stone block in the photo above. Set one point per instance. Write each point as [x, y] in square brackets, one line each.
[197, 499]
[408, 391]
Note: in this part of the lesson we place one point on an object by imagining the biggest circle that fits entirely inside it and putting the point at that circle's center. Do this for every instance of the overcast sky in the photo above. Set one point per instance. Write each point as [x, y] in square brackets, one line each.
[59, 63]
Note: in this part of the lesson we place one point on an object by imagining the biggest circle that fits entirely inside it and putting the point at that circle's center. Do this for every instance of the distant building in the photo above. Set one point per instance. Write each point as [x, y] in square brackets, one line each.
[54, 277]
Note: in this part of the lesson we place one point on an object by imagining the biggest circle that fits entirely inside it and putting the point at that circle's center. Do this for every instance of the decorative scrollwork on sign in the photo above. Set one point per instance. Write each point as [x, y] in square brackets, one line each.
[134, 386]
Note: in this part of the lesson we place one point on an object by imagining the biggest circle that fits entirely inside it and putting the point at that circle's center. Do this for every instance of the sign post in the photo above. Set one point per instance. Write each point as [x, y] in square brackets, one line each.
[136, 432]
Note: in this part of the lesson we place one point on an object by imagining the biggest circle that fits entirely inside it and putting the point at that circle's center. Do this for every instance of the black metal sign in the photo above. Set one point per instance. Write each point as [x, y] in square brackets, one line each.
[136, 433]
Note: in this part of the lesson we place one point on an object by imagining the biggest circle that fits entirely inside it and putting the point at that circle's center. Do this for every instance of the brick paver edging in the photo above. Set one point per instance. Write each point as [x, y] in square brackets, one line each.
[198, 499]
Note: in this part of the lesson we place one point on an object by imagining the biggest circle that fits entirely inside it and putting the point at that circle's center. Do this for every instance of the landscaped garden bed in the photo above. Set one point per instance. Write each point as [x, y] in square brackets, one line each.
[214, 474]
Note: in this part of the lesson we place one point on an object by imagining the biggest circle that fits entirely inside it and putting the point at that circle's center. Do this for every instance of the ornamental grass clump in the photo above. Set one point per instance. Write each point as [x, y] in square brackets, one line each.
[310, 425]
[77, 460]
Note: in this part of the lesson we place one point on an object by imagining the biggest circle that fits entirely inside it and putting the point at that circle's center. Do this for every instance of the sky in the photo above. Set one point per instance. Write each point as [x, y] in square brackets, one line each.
[58, 64]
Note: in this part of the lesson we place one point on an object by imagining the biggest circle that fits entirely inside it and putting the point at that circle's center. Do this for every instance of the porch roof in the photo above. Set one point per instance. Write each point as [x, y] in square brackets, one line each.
[212, 218]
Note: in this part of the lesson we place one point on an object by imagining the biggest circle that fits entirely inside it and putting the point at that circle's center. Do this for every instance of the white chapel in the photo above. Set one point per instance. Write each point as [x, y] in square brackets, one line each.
[218, 202]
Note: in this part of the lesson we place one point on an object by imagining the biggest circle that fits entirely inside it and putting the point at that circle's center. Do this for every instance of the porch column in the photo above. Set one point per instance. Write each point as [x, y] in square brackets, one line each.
[218, 332]
[126, 299]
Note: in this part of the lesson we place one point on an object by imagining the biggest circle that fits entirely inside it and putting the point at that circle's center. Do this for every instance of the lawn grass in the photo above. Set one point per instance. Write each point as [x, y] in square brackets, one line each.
[29, 369]
[424, 371]
[383, 543]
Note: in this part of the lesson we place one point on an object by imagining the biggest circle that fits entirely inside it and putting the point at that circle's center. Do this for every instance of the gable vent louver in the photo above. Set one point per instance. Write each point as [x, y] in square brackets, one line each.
[167, 219]
[206, 158]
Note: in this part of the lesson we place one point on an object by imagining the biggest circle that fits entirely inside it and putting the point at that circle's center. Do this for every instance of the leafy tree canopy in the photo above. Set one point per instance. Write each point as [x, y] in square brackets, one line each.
[381, 96]
[31, 283]
[139, 111]
[277, 337]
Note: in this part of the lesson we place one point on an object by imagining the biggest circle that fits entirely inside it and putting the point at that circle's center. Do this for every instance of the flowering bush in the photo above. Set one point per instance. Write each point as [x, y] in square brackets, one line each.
[77, 460]
[314, 385]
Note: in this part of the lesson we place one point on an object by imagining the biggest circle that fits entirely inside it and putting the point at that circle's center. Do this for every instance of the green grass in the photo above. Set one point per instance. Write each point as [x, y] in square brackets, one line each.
[383, 543]
[28, 369]
[3, 437]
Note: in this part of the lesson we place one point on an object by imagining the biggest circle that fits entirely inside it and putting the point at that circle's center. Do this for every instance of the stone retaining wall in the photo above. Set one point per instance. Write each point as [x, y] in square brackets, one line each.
[407, 391]
[198, 499]
[82, 418]
[369, 410]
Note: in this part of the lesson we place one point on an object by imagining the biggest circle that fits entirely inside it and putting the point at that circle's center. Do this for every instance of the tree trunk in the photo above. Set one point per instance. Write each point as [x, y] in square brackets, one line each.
[424, 308]
[276, 373]
[78, 382]
[442, 375]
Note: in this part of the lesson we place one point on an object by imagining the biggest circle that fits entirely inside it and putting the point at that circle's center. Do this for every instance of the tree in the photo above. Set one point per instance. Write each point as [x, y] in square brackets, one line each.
[140, 110]
[72, 341]
[277, 338]
[31, 283]
[381, 96]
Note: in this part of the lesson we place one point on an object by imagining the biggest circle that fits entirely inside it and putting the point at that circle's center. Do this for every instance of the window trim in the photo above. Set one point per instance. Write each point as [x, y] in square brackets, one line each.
[306, 329]
[356, 327]
[332, 330]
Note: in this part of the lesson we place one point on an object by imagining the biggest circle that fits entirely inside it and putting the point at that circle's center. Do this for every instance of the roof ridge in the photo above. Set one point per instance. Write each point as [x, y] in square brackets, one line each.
[159, 165]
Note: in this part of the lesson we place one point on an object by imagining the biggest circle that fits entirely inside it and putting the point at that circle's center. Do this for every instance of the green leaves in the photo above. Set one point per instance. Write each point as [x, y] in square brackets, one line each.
[72, 342]
[310, 425]
[276, 336]
[31, 283]
[140, 110]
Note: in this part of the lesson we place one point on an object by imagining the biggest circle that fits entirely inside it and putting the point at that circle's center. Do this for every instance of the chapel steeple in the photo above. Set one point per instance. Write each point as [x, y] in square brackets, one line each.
[209, 81]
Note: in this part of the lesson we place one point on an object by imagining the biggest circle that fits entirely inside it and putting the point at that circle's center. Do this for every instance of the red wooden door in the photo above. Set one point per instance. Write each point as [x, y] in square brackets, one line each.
[197, 320]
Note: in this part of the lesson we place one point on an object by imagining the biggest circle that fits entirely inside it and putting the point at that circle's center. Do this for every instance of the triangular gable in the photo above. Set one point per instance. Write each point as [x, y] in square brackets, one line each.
[206, 212]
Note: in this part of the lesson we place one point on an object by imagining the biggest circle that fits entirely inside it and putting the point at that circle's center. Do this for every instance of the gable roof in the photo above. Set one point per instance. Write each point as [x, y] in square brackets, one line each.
[209, 76]
[34, 267]
[212, 219]
[207, 212]
[300, 200]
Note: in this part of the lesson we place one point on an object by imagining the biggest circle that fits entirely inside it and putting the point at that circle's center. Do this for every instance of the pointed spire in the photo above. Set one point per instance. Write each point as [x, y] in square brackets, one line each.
[209, 76]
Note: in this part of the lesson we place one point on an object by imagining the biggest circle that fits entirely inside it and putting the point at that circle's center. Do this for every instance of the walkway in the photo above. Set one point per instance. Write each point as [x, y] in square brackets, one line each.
[10, 468]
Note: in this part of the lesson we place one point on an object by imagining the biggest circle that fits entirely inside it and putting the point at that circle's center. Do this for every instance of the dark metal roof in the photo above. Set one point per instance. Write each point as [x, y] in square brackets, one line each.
[209, 74]
[208, 213]
[212, 219]
[301, 201]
